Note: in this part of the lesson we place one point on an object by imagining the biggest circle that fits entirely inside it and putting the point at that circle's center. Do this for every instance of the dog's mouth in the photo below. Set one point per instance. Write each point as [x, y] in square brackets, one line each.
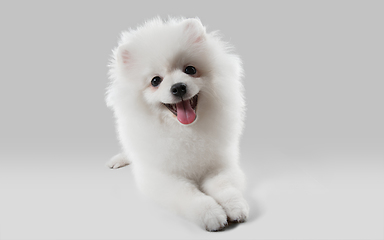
[185, 110]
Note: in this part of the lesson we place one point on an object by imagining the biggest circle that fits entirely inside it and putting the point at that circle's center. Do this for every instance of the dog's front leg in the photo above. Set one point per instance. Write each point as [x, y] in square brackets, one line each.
[226, 188]
[184, 197]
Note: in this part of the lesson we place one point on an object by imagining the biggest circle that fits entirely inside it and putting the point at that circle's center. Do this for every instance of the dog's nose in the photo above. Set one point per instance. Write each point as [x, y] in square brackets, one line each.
[179, 89]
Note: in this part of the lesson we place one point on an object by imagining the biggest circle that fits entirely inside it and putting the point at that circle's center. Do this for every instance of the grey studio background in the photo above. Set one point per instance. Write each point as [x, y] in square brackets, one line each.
[312, 150]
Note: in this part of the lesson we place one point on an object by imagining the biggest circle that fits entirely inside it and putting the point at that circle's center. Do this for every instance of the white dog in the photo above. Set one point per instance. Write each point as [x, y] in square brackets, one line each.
[177, 97]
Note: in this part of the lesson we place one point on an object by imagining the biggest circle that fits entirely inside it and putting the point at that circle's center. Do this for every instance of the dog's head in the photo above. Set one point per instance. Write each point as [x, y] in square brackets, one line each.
[175, 70]
[169, 63]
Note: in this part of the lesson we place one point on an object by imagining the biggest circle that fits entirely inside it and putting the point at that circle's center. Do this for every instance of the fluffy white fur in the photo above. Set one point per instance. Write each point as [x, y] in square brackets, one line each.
[192, 168]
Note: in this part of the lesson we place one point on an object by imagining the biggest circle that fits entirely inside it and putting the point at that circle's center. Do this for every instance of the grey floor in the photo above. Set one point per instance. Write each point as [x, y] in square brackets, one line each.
[297, 189]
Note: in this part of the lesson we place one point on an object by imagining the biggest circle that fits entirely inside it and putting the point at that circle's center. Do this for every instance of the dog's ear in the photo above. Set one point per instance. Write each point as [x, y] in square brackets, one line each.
[194, 30]
[123, 57]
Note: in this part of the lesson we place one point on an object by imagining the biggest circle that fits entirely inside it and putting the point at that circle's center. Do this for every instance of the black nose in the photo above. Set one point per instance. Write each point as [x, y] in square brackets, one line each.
[179, 89]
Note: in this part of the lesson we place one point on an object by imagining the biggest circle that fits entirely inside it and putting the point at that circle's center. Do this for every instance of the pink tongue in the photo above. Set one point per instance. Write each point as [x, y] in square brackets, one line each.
[185, 113]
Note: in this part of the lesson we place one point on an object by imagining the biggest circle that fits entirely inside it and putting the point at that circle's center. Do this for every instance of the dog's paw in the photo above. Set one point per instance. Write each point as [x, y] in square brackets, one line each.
[118, 161]
[213, 217]
[236, 209]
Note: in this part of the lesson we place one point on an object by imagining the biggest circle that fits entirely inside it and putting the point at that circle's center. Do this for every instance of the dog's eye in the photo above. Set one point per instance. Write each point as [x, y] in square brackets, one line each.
[190, 70]
[156, 81]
